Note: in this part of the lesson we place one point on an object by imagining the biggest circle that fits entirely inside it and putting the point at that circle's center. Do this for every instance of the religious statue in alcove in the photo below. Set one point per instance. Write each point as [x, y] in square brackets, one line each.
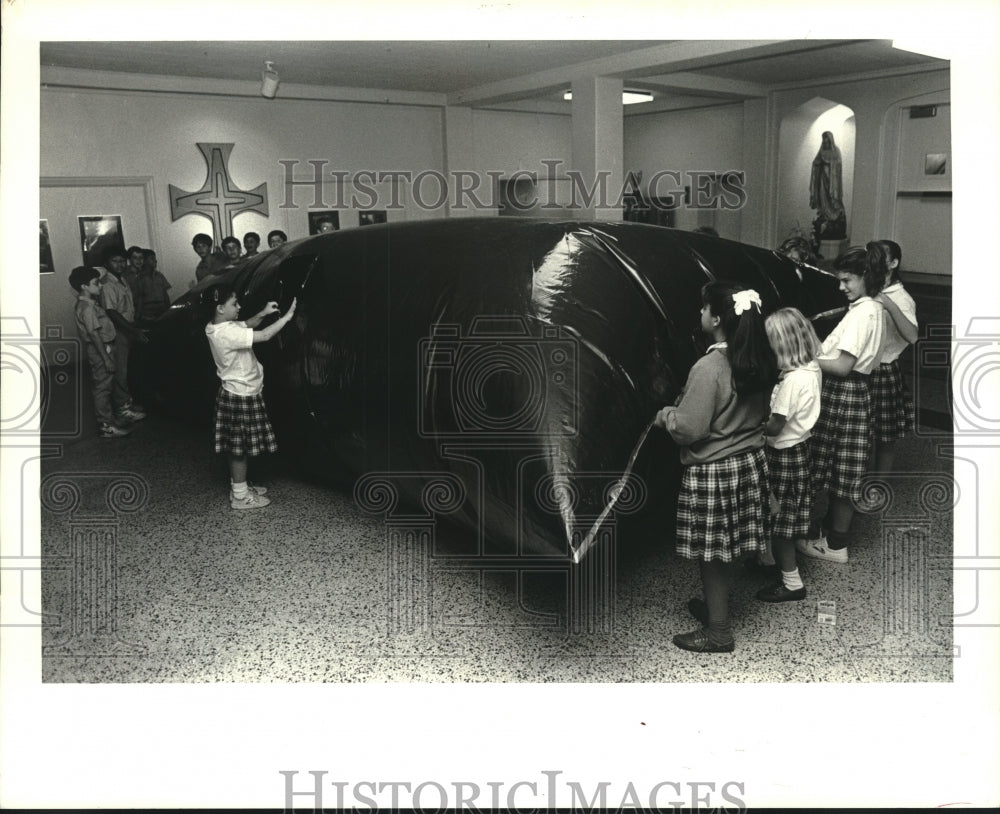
[826, 193]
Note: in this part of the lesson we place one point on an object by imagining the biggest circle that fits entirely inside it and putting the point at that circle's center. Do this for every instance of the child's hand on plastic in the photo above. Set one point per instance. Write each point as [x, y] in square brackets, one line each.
[271, 308]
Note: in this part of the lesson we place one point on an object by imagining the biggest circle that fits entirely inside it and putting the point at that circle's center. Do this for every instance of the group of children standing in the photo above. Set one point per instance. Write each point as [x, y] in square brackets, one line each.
[114, 306]
[756, 453]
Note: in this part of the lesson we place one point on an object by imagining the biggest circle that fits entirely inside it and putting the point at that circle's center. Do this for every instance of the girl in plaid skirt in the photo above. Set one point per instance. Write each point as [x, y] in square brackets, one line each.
[241, 424]
[795, 406]
[842, 438]
[718, 422]
[892, 403]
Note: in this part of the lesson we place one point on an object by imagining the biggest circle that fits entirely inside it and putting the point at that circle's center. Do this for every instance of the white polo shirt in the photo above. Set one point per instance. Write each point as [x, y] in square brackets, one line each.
[796, 396]
[894, 344]
[235, 362]
[859, 333]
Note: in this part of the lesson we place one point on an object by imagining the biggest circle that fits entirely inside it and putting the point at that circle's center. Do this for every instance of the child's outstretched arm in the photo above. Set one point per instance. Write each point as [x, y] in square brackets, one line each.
[906, 328]
[123, 326]
[272, 308]
[267, 310]
[839, 366]
[775, 424]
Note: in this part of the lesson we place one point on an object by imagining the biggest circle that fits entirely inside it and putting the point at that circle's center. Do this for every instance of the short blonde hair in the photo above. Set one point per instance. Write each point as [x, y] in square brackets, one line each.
[792, 338]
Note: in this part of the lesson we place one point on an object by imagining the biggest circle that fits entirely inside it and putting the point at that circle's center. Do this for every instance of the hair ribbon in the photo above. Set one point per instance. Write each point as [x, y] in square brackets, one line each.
[742, 300]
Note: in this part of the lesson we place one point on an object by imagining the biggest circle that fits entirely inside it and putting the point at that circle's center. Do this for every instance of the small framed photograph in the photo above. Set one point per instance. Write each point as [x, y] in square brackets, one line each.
[98, 233]
[323, 220]
[45, 264]
[936, 164]
[370, 216]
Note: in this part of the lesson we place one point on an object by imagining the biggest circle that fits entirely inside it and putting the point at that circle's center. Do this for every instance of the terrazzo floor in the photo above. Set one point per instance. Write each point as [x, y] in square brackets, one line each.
[156, 579]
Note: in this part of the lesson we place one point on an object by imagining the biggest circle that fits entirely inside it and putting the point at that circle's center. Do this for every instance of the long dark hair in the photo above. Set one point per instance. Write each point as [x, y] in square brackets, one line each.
[894, 252]
[869, 262]
[750, 355]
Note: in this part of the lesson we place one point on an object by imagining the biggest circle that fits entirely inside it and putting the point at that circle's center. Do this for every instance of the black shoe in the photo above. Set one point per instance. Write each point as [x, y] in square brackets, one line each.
[699, 610]
[779, 593]
[697, 641]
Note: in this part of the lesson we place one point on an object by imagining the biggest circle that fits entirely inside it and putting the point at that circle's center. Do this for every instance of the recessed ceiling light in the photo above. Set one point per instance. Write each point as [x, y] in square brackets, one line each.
[629, 97]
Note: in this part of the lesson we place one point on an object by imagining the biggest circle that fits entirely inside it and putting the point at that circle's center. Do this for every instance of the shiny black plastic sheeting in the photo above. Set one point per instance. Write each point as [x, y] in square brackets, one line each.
[499, 373]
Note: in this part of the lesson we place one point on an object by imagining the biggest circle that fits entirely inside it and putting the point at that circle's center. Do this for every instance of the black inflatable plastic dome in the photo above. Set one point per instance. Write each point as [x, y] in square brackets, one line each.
[501, 373]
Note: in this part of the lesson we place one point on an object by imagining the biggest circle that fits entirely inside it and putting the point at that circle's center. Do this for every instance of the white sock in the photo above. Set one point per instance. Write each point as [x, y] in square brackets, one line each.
[792, 580]
[240, 490]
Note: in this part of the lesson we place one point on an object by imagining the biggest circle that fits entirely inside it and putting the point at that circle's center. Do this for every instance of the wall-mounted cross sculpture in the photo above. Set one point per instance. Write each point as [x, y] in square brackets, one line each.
[219, 199]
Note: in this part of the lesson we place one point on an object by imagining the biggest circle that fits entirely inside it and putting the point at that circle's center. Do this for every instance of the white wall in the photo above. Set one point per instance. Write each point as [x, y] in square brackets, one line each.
[921, 220]
[516, 144]
[690, 140]
[509, 141]
[109, 133]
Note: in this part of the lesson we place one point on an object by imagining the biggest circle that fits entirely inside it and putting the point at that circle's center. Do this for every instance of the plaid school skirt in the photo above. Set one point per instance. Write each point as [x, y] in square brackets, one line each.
[891, 403]
[241, 425]
[722, 509]
[842, 437]
[791, 484]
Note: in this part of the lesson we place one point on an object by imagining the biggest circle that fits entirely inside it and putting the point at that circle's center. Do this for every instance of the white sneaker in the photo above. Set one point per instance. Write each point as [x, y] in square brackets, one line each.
[251, 487]
[818, 549]
[251, 501]
[131, 414]
[112, 431]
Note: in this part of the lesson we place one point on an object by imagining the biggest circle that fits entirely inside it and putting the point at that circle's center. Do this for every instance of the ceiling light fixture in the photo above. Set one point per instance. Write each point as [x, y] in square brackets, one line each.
[629, 97]
[269, 80]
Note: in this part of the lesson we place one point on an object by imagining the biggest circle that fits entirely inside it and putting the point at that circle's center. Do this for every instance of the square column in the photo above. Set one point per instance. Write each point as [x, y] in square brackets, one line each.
[597, 148]
[470, 191]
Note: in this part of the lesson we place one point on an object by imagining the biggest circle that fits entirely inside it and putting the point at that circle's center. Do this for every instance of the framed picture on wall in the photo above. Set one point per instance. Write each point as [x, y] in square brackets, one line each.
[98, 233]
[45, 264]
[370, 216]
[936, 164]
[324, 220]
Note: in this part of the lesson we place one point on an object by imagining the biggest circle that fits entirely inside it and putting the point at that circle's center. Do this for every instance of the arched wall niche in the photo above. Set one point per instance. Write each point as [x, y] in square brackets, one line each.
[799, 138]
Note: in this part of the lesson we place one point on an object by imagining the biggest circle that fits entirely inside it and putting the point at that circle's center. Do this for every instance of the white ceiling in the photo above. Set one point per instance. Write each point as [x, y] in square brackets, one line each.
[484, 73]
